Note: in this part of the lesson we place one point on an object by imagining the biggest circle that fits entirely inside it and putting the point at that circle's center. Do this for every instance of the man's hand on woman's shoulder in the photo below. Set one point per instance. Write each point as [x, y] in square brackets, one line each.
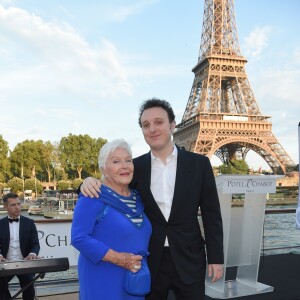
[90, 187]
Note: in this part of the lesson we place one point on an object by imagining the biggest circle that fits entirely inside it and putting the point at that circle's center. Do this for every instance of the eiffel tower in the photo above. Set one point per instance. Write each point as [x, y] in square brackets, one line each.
[222, 117]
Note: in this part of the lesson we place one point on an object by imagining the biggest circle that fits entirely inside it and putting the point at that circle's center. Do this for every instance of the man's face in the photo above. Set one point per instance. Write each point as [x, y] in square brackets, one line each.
[13, 207]
[157, 129]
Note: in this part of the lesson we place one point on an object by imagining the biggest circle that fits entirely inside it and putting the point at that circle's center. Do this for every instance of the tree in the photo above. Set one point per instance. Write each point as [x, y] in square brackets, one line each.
[4, 160]
[235, 166]
[48, 157]
[16, 184]
[2, 186]
[63, 184]
[2, 177]
[96, 147]
[32, 158]
[32, 183]
[76, 182]
[78, 153]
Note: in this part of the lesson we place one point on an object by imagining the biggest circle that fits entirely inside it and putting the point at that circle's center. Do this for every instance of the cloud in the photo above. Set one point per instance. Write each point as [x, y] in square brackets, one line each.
[120, 13]
[6, 2]
[59, 114]
[257, 41]
[66, 12]
[281, 85]
[296, 55]
[57, 58]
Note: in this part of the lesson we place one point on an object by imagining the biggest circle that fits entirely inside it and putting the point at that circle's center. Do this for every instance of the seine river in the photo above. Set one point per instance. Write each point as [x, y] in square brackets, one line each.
[279, 232]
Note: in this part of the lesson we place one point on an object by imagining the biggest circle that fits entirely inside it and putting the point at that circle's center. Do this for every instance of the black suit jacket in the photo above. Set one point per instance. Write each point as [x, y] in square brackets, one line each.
[194, 187]
[29, 241]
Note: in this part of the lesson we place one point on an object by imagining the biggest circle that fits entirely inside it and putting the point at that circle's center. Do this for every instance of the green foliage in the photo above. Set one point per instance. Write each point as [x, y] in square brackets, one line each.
[47, 152]
[63, 175]
[31, 184]
[63, 184]
[235, 166]
[32, 158]
[2, 177]
[3, 185]
[16, 184]
[292, 168]
[73, 157]
[76, 182]
[79, 152]
[5, 173]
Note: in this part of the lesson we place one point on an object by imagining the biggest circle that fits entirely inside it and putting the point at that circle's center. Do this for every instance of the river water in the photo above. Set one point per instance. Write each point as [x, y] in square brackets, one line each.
[279, 232]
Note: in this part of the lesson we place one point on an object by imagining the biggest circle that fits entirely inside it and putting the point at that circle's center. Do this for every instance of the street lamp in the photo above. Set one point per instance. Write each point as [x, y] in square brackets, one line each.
[22, 175]
[54, 165]
[35, 188]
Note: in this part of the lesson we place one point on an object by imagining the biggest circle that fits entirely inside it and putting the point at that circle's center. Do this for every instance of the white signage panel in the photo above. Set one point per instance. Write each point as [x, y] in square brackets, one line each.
[249, 184]
[55, 241]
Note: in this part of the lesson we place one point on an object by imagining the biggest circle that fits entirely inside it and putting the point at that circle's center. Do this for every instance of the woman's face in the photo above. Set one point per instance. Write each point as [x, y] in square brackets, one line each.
[118, 168]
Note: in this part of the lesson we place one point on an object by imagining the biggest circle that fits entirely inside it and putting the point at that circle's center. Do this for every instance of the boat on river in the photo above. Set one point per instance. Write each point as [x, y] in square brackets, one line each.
[59, 214]
[60, 209]
[36, 210]
[55, 205]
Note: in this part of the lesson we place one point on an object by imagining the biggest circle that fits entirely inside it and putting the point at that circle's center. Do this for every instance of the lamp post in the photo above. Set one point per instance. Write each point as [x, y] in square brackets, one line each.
[54, 186]
[23, 182]
[35, 188]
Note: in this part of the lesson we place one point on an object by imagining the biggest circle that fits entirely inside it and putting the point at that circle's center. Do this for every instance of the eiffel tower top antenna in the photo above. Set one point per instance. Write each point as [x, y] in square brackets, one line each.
[219, 40]
[219, 33]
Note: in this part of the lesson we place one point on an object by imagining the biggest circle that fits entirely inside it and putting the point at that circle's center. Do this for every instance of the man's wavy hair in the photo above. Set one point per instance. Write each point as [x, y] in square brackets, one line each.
[155, 102]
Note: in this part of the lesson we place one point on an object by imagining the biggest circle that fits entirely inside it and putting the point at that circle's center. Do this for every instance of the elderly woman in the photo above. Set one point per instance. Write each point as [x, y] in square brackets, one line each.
[110, 231]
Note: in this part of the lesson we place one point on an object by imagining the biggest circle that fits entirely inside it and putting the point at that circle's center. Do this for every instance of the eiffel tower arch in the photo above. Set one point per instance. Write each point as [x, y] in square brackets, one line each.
[222, 116]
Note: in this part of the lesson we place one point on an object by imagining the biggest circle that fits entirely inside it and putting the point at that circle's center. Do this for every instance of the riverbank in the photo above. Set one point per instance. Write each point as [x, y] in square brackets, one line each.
[270, 202]
[282, 201]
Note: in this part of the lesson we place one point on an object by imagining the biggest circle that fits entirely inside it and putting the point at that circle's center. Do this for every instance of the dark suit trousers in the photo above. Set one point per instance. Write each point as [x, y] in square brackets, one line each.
[28, 294]
[168, 279]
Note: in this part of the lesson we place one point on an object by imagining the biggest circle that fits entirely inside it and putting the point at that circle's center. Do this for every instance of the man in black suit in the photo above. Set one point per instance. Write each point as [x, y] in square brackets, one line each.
[174, 184]
[18, 241]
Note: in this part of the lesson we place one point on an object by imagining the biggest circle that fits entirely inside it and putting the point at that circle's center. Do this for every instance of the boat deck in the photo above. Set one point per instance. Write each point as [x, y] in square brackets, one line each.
[280, 271]
[52, 289]
[70, 296]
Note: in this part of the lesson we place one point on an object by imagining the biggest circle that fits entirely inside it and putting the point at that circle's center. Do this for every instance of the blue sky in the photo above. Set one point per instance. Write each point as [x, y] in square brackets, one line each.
[84, 67]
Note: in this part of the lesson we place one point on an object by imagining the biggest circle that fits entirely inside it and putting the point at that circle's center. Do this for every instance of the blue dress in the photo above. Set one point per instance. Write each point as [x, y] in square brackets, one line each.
[94, 236]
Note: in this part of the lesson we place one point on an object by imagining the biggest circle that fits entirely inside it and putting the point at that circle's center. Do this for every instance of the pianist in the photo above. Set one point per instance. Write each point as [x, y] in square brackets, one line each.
[18, 241]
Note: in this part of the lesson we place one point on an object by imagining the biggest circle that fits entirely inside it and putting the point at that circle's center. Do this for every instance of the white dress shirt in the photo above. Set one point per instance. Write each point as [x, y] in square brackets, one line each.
[14, 251]
[163, 182]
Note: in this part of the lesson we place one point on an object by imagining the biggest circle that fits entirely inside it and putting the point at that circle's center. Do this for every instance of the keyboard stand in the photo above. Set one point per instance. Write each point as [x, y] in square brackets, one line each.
[40, 275]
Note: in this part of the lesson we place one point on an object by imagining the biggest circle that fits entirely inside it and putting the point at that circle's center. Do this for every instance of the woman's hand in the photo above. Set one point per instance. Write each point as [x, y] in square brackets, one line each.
[125, 260]
[90, 187]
